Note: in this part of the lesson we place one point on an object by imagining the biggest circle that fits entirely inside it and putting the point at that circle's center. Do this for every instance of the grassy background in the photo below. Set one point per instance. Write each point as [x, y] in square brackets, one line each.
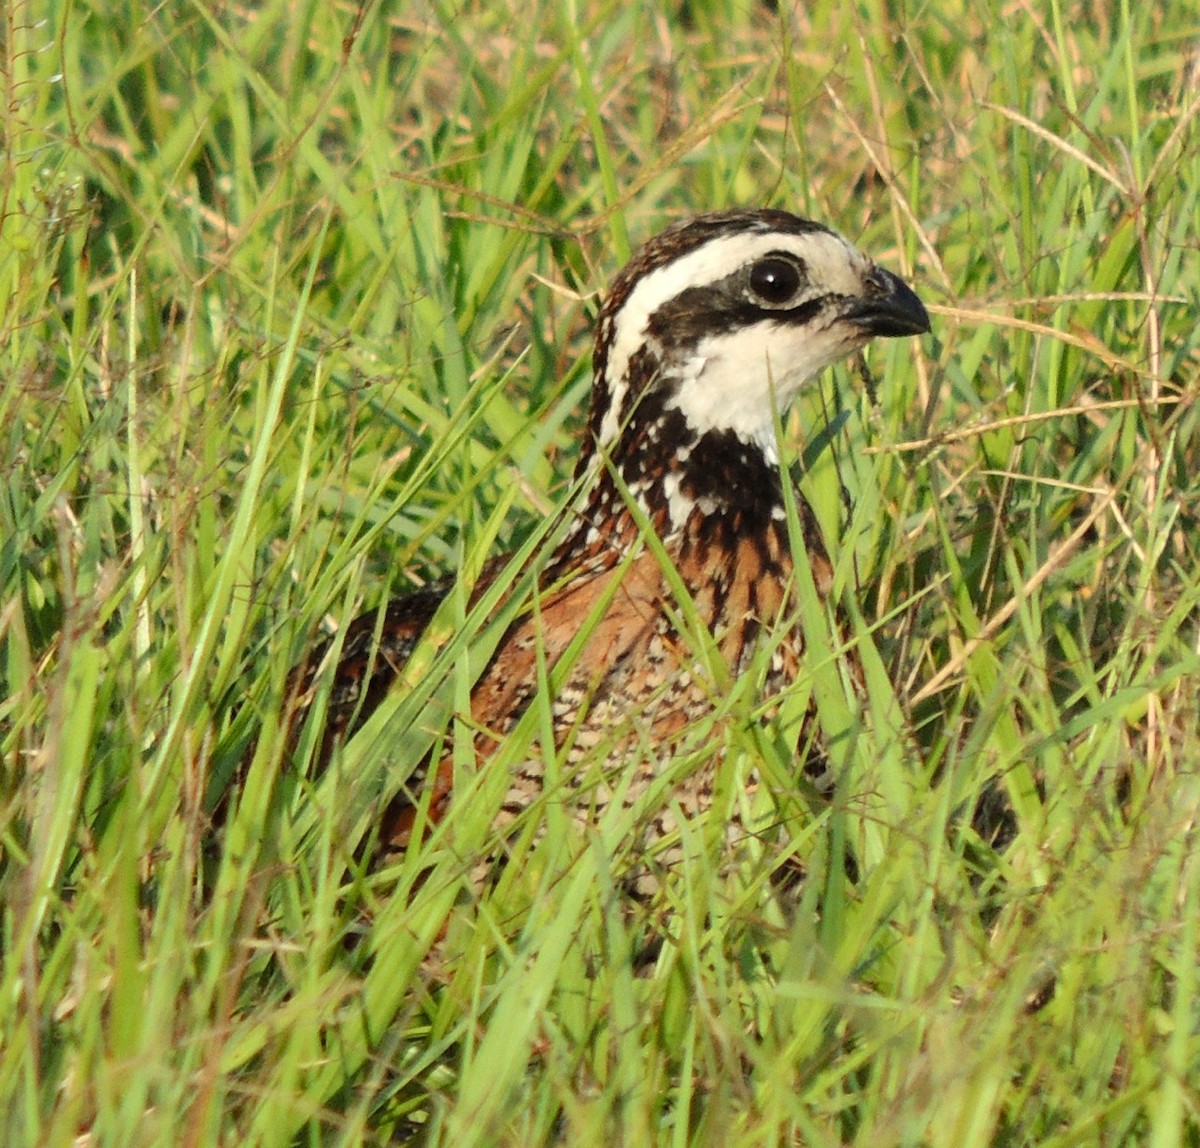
[295, 315]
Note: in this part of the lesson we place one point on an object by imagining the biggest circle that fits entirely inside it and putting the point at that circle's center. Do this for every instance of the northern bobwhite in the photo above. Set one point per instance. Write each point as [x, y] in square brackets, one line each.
[713, 325]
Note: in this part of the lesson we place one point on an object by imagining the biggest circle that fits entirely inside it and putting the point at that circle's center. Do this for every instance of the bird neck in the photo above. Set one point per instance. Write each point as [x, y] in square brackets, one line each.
[711, 486]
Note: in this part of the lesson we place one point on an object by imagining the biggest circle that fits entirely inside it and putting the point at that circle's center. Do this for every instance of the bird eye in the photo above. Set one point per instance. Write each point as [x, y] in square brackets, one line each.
[775, 280]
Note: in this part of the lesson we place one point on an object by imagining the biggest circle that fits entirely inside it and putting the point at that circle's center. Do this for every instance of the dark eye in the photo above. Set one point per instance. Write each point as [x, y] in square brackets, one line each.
[775, 280]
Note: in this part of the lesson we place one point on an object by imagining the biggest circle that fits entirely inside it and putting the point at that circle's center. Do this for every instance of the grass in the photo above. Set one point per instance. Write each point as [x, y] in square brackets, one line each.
[296, 313]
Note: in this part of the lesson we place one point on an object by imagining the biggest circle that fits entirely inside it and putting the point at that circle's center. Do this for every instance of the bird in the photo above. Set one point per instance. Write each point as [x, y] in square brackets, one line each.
[712, 328]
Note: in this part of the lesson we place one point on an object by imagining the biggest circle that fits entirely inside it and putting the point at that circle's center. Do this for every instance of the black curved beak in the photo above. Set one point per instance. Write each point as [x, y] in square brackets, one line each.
[888, 307]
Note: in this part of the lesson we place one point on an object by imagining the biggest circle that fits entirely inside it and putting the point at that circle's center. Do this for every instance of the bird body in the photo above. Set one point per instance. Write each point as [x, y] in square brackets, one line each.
[708, 332]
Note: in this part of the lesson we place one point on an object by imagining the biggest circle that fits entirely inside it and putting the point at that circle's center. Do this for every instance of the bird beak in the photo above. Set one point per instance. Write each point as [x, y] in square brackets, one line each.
[888, 307]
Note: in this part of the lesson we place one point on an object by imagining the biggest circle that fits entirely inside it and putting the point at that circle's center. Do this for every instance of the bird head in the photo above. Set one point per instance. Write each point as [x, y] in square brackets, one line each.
[714, 326]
